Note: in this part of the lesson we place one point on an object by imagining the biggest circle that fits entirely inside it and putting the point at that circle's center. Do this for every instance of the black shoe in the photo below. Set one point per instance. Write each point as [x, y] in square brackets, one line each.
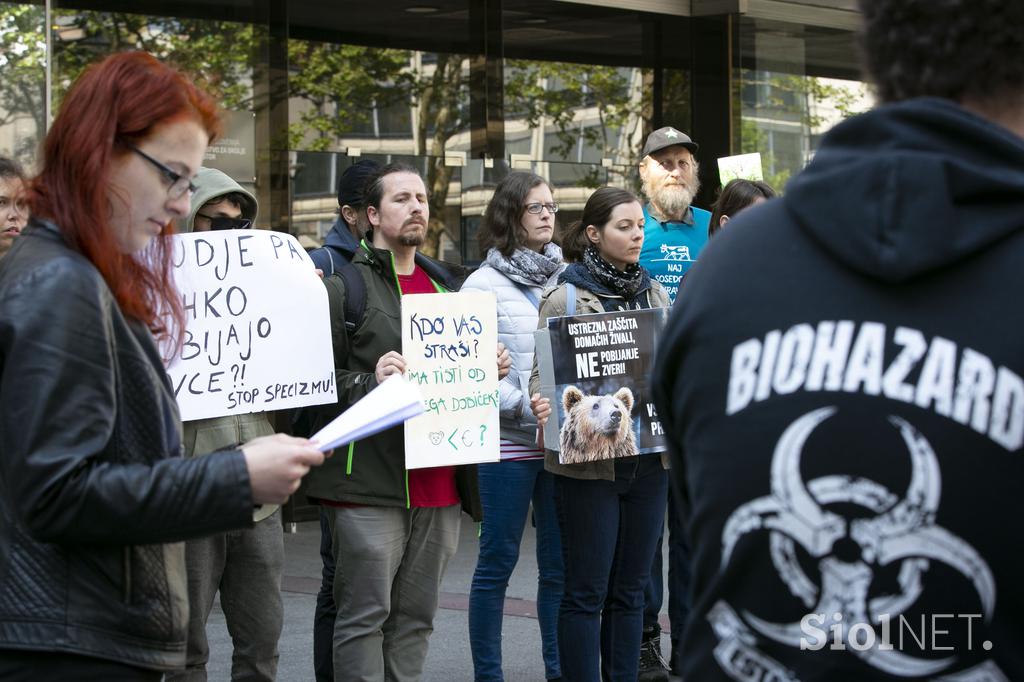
[676, 665]
[653, 667]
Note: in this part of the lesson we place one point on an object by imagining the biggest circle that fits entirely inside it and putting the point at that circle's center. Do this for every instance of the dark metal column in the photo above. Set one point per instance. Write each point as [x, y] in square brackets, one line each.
[270, 89]
[712, 48]
[487, 80]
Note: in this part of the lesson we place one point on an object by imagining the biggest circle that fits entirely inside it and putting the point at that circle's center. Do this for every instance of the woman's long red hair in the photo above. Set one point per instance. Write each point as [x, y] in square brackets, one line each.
[121, 98]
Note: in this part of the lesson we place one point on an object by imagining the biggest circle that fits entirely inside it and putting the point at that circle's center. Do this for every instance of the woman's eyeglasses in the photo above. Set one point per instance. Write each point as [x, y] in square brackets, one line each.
[537, 208]
[179, 183]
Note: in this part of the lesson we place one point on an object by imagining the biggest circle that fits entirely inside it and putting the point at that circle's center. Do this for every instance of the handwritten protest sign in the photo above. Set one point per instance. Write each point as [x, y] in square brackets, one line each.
[449, 343]
[257, 334]
[595, 371]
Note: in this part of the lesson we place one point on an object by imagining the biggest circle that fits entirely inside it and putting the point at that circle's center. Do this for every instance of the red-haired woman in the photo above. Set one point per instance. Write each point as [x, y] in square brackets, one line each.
[93, 495]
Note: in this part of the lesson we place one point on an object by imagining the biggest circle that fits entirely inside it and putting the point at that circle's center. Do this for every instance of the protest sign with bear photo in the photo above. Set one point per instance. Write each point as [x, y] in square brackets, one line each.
[257, 331]
[599, 387]
[449, 342]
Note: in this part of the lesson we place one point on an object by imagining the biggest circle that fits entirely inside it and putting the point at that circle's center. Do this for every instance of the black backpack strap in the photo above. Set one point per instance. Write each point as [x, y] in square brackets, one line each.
[355, 296]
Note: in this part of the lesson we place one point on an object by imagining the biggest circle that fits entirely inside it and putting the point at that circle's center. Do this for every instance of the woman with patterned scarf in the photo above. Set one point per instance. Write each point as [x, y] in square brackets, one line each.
[610, 511]
[521, 261]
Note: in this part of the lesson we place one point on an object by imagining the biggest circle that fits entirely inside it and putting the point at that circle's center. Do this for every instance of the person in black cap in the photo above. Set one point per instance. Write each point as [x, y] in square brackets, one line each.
[336, 253]
[674, 234]
[343, 239]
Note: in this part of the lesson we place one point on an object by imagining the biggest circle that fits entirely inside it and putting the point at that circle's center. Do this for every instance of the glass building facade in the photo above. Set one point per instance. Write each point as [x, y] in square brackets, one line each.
[462, 89]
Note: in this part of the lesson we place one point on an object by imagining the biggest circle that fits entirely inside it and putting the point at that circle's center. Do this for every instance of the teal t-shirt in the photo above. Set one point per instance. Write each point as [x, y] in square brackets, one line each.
[670, 248]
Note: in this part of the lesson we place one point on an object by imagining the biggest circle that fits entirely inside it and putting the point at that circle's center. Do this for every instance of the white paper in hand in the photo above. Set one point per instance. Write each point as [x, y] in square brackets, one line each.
[389, 404]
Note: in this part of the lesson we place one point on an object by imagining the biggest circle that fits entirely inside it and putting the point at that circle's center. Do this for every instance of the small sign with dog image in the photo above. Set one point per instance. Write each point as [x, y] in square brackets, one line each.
[601, 400]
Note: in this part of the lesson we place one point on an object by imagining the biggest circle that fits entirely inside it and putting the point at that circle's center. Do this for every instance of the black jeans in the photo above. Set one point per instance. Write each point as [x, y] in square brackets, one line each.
[678, 583]
[326, 609]
[609, 531]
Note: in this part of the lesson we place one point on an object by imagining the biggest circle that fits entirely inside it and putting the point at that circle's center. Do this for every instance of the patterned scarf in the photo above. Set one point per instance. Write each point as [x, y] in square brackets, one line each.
[526, 266]
[625, 284]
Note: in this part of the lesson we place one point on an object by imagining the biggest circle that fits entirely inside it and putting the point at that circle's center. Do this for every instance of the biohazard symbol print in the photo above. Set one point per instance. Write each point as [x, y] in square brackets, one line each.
[893, 530]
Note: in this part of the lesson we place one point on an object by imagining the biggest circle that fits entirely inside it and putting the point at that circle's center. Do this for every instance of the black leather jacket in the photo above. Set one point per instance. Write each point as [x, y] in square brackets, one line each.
[91, 480]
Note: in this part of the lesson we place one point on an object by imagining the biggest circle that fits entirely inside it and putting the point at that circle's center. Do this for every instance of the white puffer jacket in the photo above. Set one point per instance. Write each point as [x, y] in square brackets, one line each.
[517, 320]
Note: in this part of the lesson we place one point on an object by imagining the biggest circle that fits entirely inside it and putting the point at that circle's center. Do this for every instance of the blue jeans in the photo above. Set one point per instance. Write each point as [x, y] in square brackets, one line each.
[506, 490]
[609, 533]
[678, 584]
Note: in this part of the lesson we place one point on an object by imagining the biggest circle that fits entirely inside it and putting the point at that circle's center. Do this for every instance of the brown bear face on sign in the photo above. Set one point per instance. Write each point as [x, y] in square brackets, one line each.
[596, 427]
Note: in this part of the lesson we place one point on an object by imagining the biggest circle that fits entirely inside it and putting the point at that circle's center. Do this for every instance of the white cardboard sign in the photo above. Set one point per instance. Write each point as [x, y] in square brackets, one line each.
[450, 342]
[257, 334]
[745, 166]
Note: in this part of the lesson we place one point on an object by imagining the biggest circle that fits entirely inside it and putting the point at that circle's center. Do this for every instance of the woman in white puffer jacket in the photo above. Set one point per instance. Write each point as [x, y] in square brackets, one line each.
[521, 260]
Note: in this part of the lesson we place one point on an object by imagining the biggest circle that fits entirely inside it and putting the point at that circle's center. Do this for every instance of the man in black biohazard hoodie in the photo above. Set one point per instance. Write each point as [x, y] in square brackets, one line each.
[841, 382]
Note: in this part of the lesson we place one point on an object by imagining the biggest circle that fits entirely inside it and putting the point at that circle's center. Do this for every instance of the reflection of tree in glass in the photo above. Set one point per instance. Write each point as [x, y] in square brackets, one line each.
[794, 99]
[342, 85]
[217, 53]
[22, 73]
[563, 94]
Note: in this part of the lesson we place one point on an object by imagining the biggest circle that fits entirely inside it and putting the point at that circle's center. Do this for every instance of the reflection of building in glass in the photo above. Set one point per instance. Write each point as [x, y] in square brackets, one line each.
[462, 89]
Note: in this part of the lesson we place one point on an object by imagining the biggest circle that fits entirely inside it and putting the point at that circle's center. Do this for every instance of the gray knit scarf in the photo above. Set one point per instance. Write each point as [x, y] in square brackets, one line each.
[526, 266]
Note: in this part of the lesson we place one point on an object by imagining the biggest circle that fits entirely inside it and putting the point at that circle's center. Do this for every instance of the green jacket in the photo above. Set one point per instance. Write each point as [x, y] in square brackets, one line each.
[206, 435]
[553, 304]
[372, 471]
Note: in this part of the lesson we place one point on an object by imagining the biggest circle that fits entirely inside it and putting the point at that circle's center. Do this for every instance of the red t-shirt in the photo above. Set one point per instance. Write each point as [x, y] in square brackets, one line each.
[428, 487]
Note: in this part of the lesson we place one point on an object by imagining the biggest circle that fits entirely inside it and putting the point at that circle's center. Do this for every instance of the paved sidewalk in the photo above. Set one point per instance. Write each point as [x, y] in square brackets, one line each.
[449, 659]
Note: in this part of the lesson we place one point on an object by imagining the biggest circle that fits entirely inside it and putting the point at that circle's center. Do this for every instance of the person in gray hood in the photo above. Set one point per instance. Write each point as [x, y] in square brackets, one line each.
[841, 381]
[246, 565]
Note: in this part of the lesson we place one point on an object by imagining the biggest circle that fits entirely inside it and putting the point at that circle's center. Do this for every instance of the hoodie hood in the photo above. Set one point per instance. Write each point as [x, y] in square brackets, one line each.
[340, 237]
[211, 183]
[911, 187]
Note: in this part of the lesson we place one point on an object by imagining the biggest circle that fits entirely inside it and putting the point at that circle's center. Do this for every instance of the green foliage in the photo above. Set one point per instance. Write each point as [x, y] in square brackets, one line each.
[799, 100]
[556, 93]
[218, 54]
[334, 89]
[22, 71]
[340, 85]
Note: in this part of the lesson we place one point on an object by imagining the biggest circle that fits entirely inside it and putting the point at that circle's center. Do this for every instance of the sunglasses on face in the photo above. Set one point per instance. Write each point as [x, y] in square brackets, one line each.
[221, 223]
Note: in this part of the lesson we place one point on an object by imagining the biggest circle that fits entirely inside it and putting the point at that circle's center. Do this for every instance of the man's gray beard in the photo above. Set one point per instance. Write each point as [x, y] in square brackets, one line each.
[673, 200]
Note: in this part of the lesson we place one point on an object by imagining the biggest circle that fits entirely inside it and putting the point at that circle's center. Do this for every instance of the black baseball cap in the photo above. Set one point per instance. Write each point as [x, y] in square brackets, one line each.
[667, 137]
[353, 182]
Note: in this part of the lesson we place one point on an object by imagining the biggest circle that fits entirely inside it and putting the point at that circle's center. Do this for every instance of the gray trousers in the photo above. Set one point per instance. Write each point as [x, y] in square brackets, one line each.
[389, 562]
[245, 566]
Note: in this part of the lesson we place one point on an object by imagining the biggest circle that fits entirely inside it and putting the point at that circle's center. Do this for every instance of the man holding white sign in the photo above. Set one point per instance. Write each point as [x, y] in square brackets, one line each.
[393, 529]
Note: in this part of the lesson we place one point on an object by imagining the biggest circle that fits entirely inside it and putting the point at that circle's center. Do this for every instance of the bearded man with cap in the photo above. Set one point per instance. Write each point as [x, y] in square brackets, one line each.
[246, 565]
[674, 234]
[674, 231]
